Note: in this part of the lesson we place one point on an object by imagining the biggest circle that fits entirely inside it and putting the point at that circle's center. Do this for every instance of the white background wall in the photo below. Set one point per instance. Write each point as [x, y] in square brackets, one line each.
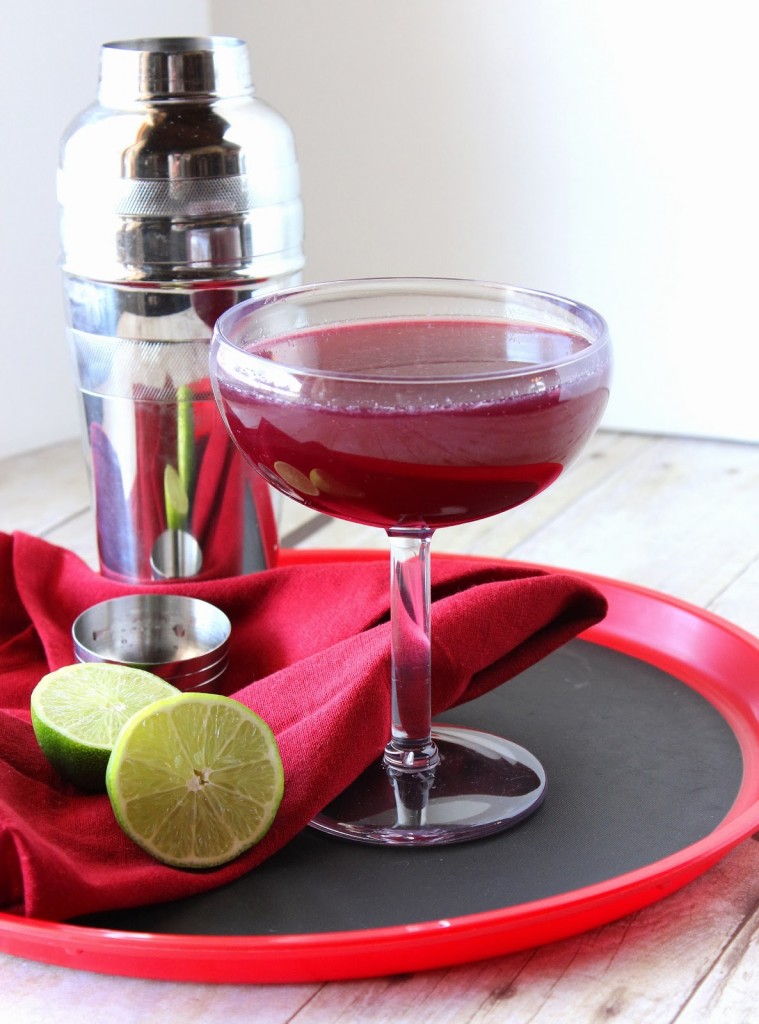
[603, 149]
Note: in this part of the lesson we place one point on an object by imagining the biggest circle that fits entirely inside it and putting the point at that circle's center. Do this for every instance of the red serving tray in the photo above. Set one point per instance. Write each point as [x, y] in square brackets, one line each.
[708, 654]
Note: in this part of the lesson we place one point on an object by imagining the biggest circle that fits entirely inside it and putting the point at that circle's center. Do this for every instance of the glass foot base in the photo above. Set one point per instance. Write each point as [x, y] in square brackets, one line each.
[483, 784]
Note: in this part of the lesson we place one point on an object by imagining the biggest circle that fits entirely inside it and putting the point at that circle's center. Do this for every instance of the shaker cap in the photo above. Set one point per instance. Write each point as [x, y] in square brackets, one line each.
[174, 67]
[179, 170]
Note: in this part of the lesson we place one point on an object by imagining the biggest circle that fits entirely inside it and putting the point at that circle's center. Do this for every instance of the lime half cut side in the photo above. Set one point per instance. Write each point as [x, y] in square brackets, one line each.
[78, 711]
[195, 779]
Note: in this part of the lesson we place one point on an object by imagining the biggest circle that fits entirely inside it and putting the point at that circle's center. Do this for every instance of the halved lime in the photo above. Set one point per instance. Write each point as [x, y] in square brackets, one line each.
[195, 779]
[78, 711]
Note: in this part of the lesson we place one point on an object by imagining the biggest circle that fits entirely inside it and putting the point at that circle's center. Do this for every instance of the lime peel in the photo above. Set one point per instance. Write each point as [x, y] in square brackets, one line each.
[78, 711]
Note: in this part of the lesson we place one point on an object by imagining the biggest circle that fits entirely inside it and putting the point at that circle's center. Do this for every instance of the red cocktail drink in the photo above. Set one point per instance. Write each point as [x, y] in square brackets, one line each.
[391, 435]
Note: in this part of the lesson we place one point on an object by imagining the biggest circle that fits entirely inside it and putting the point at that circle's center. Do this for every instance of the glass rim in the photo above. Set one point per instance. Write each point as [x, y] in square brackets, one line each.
[544, 304]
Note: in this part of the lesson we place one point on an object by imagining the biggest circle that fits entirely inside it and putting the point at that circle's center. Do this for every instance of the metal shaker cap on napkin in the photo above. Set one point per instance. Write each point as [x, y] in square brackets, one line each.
[181, 639]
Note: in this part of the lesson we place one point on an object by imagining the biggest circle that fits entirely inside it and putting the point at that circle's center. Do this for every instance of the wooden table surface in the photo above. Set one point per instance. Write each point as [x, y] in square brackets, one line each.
[677, 515]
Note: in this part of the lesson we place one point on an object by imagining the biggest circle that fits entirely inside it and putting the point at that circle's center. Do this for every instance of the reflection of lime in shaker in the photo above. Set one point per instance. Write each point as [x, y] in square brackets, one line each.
[185, 437]
[177, 502]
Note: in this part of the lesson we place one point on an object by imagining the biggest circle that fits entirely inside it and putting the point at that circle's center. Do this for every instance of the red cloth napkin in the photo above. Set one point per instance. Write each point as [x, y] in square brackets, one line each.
[309, 653]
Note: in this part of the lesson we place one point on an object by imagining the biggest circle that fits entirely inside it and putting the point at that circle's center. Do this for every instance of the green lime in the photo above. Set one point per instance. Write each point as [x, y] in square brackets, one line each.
[195, 779]
[175, 496]
[78, 711]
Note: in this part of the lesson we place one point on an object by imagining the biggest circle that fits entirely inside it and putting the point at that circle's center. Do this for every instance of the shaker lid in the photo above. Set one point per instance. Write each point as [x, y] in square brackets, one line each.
[173, 67]
[178, 169]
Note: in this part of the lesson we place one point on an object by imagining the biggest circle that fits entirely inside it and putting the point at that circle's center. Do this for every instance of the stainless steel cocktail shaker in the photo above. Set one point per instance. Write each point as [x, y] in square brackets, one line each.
[179, 195]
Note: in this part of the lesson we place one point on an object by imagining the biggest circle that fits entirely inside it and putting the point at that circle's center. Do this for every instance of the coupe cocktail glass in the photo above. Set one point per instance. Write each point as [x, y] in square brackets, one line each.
[411, 404]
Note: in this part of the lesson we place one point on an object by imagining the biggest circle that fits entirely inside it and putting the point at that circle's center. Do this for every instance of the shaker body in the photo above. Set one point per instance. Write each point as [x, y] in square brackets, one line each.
[141, 360]
[179, 195]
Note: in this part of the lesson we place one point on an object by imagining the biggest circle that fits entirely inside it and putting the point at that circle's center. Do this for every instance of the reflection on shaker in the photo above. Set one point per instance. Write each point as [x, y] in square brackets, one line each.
[115, 539]
[175, 555]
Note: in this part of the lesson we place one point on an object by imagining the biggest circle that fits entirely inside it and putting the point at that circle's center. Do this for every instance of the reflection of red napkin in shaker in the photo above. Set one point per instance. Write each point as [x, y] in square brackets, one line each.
[217, 507]
[155, 426]
[133, 509]
[309, 653]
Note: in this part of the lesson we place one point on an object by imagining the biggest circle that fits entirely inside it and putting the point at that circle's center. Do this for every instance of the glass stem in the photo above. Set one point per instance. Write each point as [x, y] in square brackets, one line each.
[411, 747]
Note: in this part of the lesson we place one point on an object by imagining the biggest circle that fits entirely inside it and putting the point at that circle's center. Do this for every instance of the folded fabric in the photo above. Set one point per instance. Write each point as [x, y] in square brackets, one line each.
[310, 653]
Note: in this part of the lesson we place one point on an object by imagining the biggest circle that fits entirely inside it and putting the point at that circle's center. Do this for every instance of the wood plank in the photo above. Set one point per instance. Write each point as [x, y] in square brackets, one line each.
[739, 601]
[79, 535]
[39, 992]
[680, 518]
[40, 489]
[605, 455]
[728, 991]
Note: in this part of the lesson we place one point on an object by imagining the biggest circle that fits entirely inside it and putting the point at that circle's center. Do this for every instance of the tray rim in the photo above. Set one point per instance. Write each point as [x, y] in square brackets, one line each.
[697, 647]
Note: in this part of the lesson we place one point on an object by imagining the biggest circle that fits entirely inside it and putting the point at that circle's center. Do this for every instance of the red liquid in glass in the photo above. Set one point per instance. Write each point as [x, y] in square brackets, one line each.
[411, 449]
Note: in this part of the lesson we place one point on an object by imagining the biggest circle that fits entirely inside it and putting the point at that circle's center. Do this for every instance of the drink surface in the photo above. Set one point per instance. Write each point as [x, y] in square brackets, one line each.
[415, 423]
